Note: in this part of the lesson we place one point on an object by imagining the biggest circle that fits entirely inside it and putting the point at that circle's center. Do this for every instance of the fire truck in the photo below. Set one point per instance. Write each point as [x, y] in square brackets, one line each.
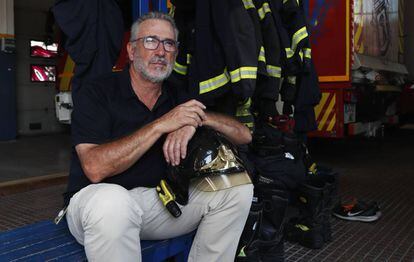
[357, 47]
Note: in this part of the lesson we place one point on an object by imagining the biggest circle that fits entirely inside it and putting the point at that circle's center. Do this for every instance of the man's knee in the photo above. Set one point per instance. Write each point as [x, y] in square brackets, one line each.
[110, 211]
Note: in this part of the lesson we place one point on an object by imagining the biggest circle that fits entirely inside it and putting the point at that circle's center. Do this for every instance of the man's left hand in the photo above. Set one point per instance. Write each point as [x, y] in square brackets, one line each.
[175, 145]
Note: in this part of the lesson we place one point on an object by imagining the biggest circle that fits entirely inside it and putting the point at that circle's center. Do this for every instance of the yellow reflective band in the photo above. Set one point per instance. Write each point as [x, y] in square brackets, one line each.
[263, 10]
[181, 69]
[298, 36]
[242, 254]
[289, 52]
[248, 4]
[307, 52]
[246, 120]
[246, 72]
[303, 199]
[241, 112]
[214, 83]
[189, 56]
[244, 109]
[302, 227]
[262, 56]
[297, 1]
[274, 71]
[249, 125]
[291, 80]
[313, 169]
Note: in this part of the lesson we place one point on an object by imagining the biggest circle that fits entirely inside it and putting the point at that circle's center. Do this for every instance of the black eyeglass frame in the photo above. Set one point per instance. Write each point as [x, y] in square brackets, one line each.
[176, 43]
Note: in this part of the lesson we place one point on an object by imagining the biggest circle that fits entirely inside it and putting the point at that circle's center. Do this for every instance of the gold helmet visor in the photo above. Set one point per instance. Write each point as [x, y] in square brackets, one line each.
[224, 171]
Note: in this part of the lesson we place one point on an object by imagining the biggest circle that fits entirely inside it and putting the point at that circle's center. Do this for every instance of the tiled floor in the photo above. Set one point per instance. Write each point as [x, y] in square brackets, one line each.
[25, 208]
[369, 169]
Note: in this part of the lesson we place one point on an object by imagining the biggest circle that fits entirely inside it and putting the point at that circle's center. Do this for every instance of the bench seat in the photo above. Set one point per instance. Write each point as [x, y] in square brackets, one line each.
[45, 241]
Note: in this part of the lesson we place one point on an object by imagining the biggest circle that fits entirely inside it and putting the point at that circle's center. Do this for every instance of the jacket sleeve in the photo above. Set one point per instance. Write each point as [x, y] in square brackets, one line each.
[94, 31]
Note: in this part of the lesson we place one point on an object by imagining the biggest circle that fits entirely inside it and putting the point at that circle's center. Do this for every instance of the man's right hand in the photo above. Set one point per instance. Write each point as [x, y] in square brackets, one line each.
[190, 113]
[175, 145]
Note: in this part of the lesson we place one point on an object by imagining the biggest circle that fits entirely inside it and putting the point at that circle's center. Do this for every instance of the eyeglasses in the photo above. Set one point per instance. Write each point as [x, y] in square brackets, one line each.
[152, 43]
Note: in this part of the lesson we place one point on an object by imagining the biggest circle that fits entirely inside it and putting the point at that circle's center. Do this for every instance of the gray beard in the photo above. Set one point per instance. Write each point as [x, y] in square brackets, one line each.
[140, 67]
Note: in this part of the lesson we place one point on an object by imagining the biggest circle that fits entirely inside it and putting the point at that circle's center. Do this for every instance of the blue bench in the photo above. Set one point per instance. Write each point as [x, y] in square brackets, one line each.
[45, 241]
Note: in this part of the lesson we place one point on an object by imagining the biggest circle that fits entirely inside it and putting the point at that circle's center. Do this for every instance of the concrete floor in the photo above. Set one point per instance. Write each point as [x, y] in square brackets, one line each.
[370, 169]
[35, 156]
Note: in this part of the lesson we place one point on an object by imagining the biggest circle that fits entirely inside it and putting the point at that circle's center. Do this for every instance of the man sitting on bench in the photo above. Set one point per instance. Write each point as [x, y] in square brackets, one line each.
[126, 128]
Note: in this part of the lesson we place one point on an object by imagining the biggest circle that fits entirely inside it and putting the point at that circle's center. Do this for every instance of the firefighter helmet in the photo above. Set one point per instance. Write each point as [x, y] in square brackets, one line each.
[212, 164]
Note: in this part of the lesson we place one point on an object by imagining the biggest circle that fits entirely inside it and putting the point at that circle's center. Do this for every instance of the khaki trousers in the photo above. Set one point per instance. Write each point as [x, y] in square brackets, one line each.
[110, 221]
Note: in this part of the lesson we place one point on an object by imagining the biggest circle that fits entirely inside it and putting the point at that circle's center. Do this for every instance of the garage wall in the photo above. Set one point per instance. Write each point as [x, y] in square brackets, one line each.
[409, 37]
[7, 72]
[35, 101]
[6, 17]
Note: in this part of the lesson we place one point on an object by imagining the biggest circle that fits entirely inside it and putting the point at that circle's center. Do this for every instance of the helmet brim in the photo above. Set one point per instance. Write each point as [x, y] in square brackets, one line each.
[218, 182]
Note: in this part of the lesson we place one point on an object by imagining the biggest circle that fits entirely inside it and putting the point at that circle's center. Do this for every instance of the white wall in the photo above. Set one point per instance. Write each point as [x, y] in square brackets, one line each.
[35, 101]
[409, 37]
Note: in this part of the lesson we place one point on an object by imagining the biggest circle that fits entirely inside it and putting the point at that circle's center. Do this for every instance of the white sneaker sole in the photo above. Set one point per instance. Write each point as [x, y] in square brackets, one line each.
[361, 218]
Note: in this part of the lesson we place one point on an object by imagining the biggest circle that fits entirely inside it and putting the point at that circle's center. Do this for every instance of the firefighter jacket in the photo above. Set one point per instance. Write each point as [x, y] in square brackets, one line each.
[183, 12]
[300, 85]
[289, 59]
[293, 16]
[272, 50]
[254, 16]
[267, 86]
[232, 55]
[224, 57]
[94, 31]
[308, 96]
[263, 81]
[225, 49]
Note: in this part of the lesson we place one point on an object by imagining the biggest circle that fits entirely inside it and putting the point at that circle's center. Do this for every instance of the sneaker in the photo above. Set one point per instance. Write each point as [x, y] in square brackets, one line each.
[358, 211]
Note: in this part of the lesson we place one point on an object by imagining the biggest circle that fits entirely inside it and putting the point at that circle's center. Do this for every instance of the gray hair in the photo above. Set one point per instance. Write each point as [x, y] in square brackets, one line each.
[152, 15]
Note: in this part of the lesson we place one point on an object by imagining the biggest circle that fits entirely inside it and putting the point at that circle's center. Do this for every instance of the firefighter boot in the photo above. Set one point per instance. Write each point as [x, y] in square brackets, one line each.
[305, 233]
[274, 217]
[307, 229]
[248, 248]
[330, 198]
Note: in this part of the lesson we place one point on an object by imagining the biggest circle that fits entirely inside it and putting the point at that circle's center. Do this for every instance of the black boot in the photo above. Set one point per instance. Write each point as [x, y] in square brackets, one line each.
[271, 246]
[307, 229]
[304, 232]
[330, 198]
[248, 248]
[275, 204]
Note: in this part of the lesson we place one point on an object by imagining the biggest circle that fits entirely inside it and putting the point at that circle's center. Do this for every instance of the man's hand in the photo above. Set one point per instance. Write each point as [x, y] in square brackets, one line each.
[190, 113]
[175, 145]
